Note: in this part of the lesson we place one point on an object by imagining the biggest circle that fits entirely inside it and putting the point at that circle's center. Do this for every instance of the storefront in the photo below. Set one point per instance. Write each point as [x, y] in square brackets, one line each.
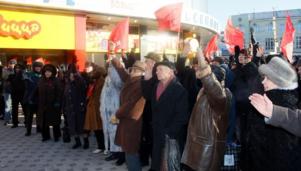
[93, 21]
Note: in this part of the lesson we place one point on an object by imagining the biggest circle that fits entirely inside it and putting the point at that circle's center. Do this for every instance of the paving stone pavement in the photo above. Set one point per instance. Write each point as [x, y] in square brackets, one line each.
[20, 153]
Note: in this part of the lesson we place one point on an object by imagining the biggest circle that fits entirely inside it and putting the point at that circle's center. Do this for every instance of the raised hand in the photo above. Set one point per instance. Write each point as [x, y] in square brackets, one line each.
[262, 104]
[260, 52]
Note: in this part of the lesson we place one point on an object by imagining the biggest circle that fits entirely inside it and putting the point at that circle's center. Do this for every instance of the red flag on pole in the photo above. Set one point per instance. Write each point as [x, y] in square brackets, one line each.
[120, 34]
[233, 37]
[211, 47]
[169, 17]
[287, 43]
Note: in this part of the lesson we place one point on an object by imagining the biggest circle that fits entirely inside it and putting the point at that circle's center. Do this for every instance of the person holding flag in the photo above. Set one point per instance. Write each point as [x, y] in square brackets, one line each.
[110, 94]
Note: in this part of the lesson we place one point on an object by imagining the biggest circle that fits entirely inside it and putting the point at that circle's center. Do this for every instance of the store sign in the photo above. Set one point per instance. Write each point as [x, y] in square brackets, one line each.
[30, 30]
[19, 29]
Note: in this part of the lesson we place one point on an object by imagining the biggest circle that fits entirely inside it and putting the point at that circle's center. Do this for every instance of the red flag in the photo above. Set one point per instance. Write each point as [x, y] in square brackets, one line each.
[211, 47]
[169, 17]
[233, 37]
[287, 43]
[119, 35]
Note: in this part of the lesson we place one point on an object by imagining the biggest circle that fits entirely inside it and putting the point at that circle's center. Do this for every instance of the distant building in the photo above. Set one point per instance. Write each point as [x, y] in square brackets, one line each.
[262, 24]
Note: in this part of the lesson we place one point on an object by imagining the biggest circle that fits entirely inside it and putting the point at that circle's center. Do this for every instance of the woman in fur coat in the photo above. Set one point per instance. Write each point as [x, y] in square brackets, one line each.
[75, 103]
[273, 148]
[50, 101]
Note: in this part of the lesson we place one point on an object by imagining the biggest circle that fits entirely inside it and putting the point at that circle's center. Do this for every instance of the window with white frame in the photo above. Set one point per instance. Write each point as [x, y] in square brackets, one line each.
[269, 43]
[298, 42]
[270, 28]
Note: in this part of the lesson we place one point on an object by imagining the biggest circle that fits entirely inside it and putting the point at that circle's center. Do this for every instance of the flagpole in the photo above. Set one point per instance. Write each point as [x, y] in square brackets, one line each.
[275, 32]
[177, 48]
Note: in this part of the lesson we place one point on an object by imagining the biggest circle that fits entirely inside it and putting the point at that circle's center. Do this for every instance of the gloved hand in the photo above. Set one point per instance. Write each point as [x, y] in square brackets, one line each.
[114, 120]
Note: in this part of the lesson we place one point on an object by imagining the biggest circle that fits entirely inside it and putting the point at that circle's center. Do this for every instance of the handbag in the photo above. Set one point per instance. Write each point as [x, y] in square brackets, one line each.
[171, 155]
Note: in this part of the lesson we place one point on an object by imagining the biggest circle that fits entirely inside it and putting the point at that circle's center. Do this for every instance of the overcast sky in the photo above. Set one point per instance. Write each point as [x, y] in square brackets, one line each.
[222, 9]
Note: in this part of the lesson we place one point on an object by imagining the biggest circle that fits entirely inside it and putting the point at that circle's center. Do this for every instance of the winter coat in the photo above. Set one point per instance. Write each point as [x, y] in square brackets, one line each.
[287, 119]
[208, 124]
[93, 119]
[132, 103]
[187, 78]
[130, 116]
[50, 100]
[17, 83]
[246, 82]
[110, 103]
[281, 148]
[75, 104]
[31, 90]
[6, 72]
[170, 114]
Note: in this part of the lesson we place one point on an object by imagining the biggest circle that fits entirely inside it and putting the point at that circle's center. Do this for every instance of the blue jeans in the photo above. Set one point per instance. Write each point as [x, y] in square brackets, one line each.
[133, 162]
[8, 106]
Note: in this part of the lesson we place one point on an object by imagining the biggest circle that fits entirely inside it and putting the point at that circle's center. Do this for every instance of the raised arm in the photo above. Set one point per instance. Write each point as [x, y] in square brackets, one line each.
[120, 69]
[215, 91]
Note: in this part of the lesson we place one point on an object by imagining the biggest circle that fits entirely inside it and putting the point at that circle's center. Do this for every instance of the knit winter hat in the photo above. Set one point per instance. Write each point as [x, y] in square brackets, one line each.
[280, 72]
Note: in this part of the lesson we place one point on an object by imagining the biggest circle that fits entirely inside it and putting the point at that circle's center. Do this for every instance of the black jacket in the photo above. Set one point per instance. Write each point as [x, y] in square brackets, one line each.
[169, 114]
[17, 84]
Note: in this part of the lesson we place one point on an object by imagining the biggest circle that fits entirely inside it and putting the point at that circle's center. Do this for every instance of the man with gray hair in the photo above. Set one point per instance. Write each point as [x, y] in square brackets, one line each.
[169, 103]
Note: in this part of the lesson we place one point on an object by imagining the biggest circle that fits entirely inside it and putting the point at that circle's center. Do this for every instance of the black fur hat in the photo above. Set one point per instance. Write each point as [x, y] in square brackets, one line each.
[51, 68]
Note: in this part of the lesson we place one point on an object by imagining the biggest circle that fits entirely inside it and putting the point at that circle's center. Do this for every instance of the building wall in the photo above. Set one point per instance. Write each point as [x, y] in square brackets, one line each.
[200, 5]
[262, 24]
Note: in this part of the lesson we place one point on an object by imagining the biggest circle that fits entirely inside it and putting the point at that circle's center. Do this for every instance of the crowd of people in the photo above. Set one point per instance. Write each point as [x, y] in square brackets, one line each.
[133, 106]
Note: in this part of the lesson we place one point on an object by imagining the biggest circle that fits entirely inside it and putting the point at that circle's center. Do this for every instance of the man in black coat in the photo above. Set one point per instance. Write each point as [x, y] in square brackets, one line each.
[31, 96]
[146, 135]
[17, 83]
[170, 108]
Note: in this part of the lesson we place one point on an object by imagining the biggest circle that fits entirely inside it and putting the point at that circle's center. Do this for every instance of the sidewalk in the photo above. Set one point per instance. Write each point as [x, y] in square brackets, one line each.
[20, 153]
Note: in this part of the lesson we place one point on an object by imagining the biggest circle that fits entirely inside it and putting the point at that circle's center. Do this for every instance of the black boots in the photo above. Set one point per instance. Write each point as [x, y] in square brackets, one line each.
[77, 143]
[121, 158]
[86, 143]
[113, 156]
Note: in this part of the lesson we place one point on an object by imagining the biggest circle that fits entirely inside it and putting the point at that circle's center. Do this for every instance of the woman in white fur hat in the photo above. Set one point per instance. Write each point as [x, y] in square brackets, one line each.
[273, 148]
